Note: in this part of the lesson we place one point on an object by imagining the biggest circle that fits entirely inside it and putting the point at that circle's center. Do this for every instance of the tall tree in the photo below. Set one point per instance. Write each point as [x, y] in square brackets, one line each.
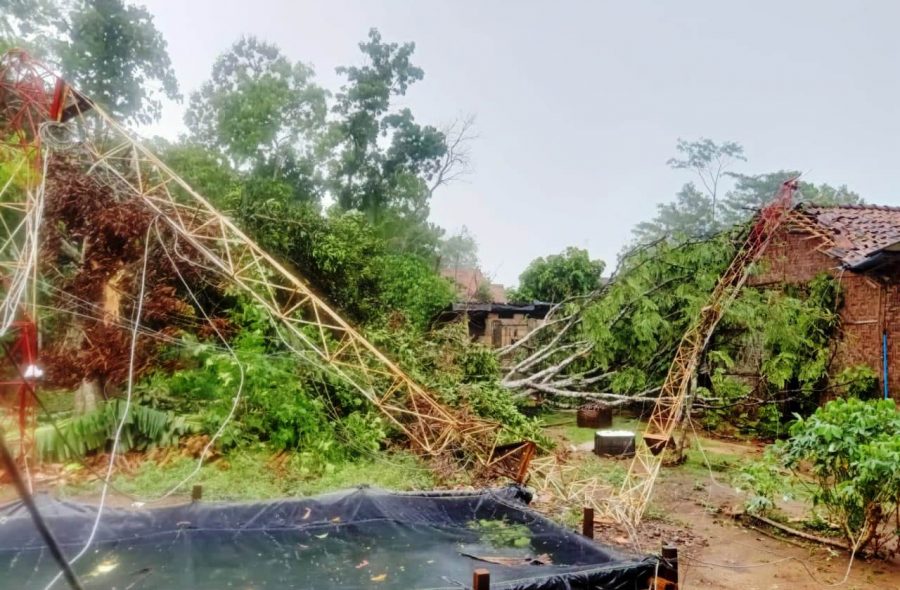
[689, 215]
[31, 24]
[710, 161]
[700, 211]
[459, 250]
[114, 54]
[109, 49]
[753, 191]
[383, 159]
[258, 108]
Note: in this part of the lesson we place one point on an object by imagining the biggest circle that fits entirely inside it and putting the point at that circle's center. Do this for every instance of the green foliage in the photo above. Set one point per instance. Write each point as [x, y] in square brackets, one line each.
[204, 171]
[115, 55]
[501, 533]
[784, 336]
[483, 293]
[279, 403]
[459, 250]
[689, 215]
[345, 258]
[701, 210]
[764, 482]
[257, 107]
[752, 191]
[852, 448]
[462, 373]
[109, 49]
[31, 24]
[270, 158]
[795, 331]
[637, 324]
[144, 428]
[285, 403]
[364, 175]
[411, 287]
[560, 276]
[858, 381]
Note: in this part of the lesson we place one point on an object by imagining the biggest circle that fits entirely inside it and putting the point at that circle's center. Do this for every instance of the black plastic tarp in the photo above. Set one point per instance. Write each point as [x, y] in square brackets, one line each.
[362, 538]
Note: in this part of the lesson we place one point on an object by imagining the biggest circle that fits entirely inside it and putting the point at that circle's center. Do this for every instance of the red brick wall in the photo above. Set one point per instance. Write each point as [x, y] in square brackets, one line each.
[792, 257]
[861, 322]
[869, 307]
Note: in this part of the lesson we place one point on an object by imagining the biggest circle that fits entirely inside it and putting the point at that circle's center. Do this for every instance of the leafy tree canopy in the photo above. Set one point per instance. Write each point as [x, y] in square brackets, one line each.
[459, 250]
[382, 158]
[560, 276]
[258, 108]
[702, 209]
[109, 49]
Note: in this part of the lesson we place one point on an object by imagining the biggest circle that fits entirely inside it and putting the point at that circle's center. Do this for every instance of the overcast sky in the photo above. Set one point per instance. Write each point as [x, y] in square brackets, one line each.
[579, 104]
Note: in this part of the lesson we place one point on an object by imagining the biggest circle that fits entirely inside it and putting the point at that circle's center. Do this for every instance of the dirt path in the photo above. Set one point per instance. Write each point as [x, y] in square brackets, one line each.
[718, 552]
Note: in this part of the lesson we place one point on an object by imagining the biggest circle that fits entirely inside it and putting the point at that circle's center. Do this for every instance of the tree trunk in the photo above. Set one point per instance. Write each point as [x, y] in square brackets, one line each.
[86, 396]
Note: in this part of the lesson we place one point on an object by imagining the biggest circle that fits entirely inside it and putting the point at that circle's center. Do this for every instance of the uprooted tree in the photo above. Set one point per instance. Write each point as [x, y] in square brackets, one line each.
[615, 344]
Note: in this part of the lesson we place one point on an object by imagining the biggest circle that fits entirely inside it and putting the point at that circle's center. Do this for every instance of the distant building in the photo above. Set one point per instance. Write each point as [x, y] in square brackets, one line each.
[468, 280]
[859, 245]
[499, 324]
[492, 320]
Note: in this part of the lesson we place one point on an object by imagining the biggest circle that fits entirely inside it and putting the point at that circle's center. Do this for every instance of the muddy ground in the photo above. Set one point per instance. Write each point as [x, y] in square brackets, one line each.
[695, 509]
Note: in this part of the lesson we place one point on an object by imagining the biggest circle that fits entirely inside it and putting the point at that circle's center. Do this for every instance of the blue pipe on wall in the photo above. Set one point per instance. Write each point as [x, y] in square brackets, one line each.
[884, 362]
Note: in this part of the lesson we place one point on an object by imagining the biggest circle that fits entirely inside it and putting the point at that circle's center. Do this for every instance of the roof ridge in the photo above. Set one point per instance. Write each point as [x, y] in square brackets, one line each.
[853, 206]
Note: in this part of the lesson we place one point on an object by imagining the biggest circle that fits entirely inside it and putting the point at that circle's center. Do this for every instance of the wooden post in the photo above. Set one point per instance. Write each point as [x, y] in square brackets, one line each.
[587, 523]
[668, 568]
[196, 493]
[481, 579]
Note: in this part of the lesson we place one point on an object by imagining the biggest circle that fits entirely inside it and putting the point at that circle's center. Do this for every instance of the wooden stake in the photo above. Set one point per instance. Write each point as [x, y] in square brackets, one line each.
[667, 577]
[587, 522]
[481, 579]
[196, 493]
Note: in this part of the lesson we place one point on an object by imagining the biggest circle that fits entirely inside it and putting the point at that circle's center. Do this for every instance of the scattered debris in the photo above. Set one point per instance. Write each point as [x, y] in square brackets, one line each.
[542, 559]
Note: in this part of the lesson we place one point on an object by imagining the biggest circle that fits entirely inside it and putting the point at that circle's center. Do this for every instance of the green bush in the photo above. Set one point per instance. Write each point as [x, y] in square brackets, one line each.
[852, 448]
[144, 428]
[763, 482]
[858, 381]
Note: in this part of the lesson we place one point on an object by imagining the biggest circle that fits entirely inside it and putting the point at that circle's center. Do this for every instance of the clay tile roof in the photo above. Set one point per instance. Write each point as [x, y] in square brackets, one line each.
[467, 281]
[858, 231]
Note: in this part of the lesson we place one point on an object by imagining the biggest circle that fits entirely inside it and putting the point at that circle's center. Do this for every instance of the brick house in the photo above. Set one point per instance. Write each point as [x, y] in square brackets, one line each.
[859, 245]
[496, 322]
[468, 280]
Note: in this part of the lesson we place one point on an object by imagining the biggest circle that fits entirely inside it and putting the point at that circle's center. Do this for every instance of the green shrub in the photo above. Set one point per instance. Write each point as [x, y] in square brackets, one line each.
[144, 428]
[858, 381]
[853, 450]
[763, 482]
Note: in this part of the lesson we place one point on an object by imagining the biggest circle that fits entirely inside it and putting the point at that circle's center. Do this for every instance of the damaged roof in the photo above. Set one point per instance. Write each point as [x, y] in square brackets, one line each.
[860, 234]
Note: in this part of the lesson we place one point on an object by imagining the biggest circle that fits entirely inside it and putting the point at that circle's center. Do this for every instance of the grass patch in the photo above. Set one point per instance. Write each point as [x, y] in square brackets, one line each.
[562, 423]
[252, 475]
[718, 462]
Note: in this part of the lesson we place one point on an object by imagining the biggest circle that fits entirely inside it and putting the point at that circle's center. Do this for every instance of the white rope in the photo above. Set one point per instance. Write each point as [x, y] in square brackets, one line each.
[121, 425]
[237, 397]
[34, 213]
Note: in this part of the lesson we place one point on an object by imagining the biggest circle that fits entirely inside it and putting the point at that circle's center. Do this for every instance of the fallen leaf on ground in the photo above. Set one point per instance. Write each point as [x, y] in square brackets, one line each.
[379, 578]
